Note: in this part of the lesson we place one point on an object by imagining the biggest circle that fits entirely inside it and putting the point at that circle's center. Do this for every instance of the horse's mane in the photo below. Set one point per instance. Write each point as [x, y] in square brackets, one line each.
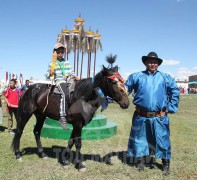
[98, 78]
[84, 88]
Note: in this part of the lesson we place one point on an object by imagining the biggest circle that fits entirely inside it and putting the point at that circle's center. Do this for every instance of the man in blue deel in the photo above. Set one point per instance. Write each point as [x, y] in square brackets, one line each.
[155, 95]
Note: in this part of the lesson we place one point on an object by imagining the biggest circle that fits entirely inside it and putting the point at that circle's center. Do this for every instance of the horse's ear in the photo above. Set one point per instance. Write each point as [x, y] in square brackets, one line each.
[104, 68]
[104, 71]
[116, 68]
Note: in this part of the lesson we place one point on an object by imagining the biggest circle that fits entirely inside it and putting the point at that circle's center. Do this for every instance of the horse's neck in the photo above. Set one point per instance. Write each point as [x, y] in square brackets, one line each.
[101, 83]
[84, 88]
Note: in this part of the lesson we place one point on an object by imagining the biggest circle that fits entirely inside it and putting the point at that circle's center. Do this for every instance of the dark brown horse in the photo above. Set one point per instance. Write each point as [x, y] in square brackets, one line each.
[40, 100]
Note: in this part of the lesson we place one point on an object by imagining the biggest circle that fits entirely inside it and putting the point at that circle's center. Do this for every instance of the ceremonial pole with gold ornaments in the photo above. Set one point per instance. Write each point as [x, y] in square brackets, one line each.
[78, 41]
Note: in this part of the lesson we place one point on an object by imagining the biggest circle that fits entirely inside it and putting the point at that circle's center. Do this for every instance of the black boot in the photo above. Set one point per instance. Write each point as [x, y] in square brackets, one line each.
[166, 166]
[140, 164]
[152, 163]
[63, 123]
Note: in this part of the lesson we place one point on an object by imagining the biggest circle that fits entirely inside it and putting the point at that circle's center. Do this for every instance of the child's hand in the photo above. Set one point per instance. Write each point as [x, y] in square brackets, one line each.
[65, 78]
[51, 73]
[76, 78]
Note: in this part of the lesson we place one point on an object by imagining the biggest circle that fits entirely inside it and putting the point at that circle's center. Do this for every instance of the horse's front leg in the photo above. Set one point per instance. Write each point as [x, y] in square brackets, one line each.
[66, 161]
[37, 130]
[78, 143]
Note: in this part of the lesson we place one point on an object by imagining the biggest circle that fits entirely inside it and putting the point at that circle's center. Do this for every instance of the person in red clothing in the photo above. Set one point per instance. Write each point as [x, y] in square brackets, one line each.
[12, 96]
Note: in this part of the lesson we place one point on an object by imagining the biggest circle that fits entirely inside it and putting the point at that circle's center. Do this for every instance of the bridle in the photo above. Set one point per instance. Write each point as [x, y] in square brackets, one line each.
[110, 89]
[120, 82]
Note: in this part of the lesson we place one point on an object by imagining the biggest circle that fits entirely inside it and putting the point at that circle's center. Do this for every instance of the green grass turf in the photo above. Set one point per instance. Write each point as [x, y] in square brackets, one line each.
[183, 126]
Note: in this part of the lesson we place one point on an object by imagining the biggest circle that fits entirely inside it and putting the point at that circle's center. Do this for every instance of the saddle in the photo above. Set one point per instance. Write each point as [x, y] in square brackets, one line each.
[67, 87]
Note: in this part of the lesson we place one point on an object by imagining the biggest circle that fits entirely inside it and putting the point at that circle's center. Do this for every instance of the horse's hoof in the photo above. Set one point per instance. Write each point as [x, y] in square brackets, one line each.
[108, 162]
[82, 169]
[19, 159]
[42, 155]
[45, 157]
[66, 164]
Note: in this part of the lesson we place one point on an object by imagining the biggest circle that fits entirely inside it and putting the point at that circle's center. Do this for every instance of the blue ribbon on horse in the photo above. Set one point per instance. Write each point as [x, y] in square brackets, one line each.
[100, 92]
[105, 103]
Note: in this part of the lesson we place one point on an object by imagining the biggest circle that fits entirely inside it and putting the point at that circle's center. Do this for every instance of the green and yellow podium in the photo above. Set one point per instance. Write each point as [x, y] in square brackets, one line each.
[98, 128]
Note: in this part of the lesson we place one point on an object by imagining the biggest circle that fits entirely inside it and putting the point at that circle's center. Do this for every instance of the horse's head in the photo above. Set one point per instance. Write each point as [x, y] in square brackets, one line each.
[112, 85]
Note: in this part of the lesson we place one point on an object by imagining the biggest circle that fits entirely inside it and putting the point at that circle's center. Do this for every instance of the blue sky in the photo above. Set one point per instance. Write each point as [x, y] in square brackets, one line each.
[128, 28]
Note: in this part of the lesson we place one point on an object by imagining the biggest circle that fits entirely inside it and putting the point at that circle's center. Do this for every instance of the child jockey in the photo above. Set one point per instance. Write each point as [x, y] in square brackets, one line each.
[61, 70]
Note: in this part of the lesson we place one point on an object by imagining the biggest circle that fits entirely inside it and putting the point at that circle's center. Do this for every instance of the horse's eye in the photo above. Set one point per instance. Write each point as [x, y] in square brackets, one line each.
[114, 82]
[122, 91]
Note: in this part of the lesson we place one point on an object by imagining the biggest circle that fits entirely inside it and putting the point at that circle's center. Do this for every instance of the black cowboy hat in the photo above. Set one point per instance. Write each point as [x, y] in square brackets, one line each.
[151, 55]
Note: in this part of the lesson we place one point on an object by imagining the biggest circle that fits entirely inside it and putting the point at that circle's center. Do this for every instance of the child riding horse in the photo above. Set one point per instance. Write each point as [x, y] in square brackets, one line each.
[85, 101]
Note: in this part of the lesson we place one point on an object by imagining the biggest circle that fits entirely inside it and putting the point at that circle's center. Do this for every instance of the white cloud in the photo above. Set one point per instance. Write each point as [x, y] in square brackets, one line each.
[179, 74]
[126, 74]
[171, 73]
[183, 73]
[170, 62]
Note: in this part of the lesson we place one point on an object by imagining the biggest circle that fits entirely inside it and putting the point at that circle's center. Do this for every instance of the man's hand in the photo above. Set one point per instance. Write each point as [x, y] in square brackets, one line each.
[13, 106]
[166, 111]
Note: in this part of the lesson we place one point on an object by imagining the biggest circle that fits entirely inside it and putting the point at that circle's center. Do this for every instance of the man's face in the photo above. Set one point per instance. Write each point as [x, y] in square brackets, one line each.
[27, 83]
[151, 64]
[12, 84]
[60, 53]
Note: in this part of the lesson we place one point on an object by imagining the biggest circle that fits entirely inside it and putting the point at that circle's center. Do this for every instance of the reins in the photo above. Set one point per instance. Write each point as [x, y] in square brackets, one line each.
[49, 85]
[111, 92]
[120, 82]
[108, 86]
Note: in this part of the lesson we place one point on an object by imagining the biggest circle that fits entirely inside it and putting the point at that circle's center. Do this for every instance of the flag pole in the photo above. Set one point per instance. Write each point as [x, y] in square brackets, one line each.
[79, 25]
[75, 37]
[97, 44]
[89, 35]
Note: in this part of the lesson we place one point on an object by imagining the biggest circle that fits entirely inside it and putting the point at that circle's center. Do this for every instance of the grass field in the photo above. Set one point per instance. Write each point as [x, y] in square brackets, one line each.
[183, 138]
